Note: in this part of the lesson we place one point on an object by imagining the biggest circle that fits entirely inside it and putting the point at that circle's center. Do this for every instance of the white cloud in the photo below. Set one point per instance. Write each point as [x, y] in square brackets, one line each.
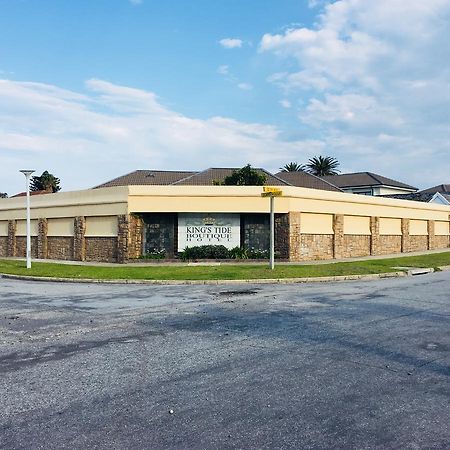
[136, 2]
[88, 138]
[231, 43]
[245, 86]
[223, 69]
[285, 103]
[374, 76]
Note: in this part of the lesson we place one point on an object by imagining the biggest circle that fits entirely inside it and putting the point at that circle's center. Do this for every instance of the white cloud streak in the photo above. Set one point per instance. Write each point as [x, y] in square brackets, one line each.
[231, 43]
[375, 79]
[86, 139]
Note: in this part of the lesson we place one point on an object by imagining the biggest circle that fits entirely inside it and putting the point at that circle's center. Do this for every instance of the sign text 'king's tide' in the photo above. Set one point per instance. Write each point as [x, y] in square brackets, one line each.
[197, 229]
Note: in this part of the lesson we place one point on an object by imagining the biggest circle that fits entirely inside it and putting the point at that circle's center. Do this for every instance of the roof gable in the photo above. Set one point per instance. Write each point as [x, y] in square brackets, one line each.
[359, 179]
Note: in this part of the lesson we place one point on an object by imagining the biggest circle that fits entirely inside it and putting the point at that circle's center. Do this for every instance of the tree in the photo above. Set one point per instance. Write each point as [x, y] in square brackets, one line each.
[247, 176]
[46, 182]
[323, 165]
[293, 167]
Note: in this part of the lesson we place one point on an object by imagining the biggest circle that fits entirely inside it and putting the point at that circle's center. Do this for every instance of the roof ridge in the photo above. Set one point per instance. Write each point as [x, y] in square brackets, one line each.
[188, 177]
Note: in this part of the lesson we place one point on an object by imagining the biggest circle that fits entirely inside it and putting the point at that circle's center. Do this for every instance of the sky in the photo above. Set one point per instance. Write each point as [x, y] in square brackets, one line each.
[93, 89]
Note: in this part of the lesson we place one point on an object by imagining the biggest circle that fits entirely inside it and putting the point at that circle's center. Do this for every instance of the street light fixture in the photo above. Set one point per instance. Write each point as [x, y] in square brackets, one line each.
[27, 174]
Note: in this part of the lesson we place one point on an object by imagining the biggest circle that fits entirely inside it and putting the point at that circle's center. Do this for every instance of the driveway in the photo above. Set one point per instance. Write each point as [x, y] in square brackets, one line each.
[339, 365]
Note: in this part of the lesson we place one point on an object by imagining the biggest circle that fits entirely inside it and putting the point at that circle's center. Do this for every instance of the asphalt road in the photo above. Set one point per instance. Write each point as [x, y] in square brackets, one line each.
[342, 365]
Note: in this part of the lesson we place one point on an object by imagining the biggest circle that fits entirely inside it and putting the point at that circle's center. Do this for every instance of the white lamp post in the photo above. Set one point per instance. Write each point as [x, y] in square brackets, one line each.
[27, 174]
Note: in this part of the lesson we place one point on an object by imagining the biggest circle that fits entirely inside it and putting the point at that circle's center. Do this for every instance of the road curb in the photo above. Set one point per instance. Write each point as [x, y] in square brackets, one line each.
[336, 278]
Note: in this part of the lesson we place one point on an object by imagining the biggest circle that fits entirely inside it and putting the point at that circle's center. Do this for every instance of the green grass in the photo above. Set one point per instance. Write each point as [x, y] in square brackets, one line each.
[223, 272]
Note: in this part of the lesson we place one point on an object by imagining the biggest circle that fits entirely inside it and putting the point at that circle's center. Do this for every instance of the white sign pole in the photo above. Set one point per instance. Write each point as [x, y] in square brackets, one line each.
[27, 174]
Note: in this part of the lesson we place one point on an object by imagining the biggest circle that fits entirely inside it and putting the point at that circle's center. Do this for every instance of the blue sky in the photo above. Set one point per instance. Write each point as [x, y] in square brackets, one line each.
[104, 87]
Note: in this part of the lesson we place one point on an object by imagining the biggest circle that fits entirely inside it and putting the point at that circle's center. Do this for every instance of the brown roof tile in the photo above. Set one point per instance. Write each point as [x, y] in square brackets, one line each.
[441, 188]
[214, 175]
[364, 179]
[307, 180]
[147, 177]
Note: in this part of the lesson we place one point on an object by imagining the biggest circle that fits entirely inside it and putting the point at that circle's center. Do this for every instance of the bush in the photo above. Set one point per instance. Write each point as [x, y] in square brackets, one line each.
[205, 252]
[221, 252]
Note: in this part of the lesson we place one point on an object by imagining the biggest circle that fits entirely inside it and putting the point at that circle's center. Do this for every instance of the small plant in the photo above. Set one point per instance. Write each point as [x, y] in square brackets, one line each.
[239, 253]
[154, 254]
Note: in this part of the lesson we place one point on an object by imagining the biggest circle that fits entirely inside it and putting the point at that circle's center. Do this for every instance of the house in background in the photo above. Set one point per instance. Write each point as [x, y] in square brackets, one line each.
[368, 183]
[439, 194]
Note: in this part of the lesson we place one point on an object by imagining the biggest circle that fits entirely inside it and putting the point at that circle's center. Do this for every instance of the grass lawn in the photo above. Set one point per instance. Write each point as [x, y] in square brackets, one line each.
[223, 272]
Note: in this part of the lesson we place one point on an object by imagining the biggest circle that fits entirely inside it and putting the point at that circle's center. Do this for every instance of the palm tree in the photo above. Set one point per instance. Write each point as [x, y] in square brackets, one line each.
[323, 165]
[46, 182]
[293, 167]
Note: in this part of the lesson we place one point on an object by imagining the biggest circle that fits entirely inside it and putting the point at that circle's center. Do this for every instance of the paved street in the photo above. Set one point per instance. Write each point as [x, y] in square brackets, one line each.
[339, 365]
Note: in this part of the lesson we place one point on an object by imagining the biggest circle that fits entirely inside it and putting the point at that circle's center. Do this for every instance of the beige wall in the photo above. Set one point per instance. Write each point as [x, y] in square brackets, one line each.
[316, 223]
[60, 227]
[21, 228]
[357, 225]
[390, 227]
[101, 226]
[418, 227]
[441, 228]
[248, 199]
[4, 228]
[102, 202]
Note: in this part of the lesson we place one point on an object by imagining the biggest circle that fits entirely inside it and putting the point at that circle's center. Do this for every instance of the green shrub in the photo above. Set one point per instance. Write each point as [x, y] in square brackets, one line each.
[205, 252]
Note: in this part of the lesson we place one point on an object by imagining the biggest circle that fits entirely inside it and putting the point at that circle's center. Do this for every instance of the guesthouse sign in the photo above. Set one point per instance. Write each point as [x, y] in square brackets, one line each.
[197, 229]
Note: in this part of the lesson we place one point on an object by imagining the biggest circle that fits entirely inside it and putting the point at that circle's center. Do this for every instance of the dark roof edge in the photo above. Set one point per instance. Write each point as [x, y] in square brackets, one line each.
[109, 181]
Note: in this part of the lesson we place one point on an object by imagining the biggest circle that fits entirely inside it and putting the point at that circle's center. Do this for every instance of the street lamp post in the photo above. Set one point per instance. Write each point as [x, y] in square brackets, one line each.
[27, 174]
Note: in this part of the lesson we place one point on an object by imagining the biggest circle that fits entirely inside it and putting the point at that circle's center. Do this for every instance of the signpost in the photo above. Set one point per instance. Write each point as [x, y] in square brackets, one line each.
[272, 192]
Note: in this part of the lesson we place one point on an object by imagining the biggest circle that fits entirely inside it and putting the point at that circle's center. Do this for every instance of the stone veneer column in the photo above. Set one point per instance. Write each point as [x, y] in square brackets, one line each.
[282, 235]
[42, 248]
[79, 242]
[431, 235]
[295, 237]
[405, 235]
[122, 238]
[12, 225]
[338, 242]
[375, 236]
[135, 235]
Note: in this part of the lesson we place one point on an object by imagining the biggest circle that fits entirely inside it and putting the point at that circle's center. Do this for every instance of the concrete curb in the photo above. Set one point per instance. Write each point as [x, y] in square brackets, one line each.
[336, 278]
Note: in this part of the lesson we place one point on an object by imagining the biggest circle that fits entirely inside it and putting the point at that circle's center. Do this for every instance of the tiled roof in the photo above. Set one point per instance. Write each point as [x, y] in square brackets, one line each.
[307, 180]
[415, 196]
[214, 175]
[357, 179]
[23, 194]
[147, 177]
[441, 188]
[421, 196]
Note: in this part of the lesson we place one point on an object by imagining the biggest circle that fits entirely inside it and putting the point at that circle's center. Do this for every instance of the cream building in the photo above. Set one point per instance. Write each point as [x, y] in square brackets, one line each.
[124, 222]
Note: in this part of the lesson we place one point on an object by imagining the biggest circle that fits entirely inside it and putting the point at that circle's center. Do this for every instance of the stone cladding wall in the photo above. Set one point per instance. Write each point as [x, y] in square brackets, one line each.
[101, 249]
[60, 247]
[3, 245]
[135, 235]
[442, 241]
[418, 243]
[315, 247]
[355, 246]
[390, 244]
[21, 246]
